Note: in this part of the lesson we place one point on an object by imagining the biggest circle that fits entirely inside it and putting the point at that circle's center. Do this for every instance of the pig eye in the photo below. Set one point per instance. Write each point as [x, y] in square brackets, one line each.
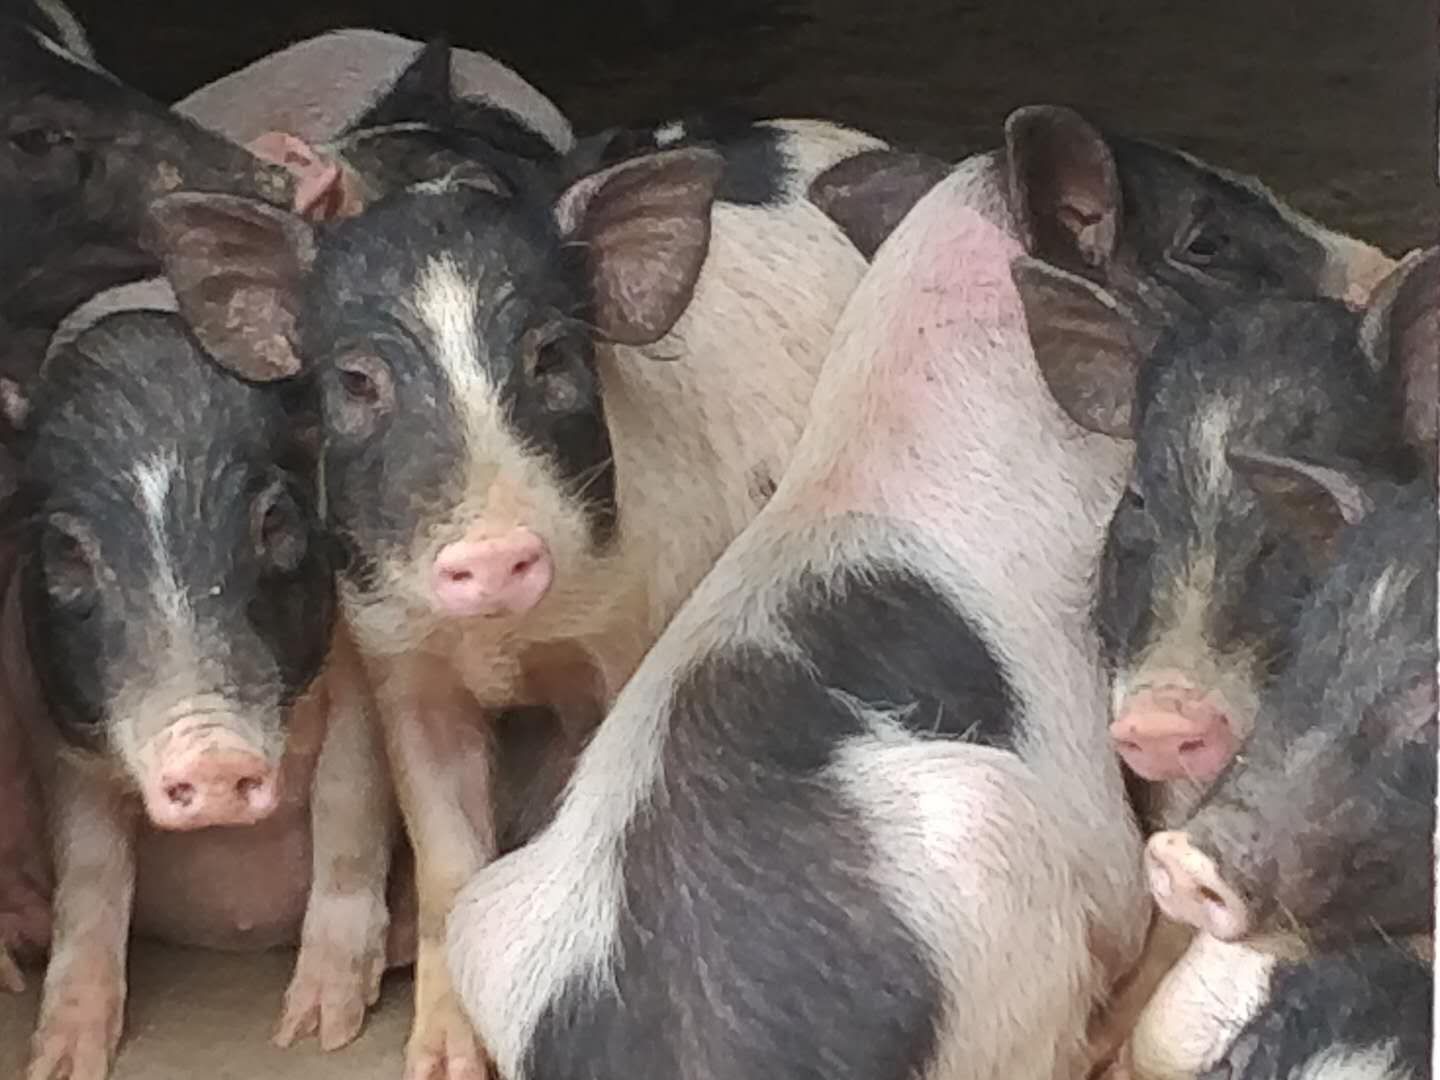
[37, 141]
[1133, 499]
[362, 390]
[1204, 246]
[279, 530]
[358, 386]
[69, 568]
[550, 357]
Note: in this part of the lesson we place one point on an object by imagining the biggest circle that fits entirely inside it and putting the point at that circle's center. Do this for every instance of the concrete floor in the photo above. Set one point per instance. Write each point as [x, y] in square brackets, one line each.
[195, 1015]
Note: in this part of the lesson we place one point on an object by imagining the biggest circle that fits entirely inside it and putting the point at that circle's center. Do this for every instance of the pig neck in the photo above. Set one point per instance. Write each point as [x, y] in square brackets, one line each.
[932, 414]
[703, 423]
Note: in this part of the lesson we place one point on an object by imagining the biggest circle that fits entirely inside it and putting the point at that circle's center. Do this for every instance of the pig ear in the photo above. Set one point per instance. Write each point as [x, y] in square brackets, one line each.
[324, 188]
[420, 92]
[236, 267]
[1312, 501]
[869, 194]
[1087, 346]
[1401, 331]
[1064, 187]
[646, 225]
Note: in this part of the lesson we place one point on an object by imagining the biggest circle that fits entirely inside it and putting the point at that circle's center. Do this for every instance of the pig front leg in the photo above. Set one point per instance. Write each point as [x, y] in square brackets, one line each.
[82, 1008]
[441, 756]
[352, 810]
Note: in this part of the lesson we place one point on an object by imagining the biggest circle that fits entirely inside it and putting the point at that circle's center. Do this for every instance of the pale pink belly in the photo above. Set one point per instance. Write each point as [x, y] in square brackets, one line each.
[240, 889]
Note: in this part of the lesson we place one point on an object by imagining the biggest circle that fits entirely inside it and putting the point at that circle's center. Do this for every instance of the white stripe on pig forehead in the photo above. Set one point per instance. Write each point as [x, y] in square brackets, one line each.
[154, 483]
[448, 306]
[1208, 438]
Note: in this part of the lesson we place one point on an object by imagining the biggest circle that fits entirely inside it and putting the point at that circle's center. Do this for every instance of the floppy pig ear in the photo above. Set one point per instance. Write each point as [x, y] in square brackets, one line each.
[236, 266]
[646, 224]
[1314, 502]
[1088, 348]
[1064, 187]
[1401, 331]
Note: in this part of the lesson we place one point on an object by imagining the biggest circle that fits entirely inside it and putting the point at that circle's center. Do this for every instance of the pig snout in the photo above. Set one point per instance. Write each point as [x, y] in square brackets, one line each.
[197, 783]
[1188, 887]
[505, 575]
[1173, 731]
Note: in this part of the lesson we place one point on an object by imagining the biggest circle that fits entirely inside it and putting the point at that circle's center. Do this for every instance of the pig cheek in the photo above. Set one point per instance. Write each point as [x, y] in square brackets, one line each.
[295, 617]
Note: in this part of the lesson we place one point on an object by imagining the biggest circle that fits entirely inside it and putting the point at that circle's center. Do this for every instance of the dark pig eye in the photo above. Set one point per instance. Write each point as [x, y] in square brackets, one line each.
[68, 561]
[37, 141]
[1204, 246]
[359, 386]
[280, 531]
[363, 391]
[550, 357]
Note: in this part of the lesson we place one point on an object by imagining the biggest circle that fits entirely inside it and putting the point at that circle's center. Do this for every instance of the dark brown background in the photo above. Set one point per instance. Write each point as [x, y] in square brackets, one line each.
[1332, 101]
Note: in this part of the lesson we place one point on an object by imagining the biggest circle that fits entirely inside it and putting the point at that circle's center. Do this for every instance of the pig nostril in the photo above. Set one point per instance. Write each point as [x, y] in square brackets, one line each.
[459, 576]
[523, 565]
[248, 787]
[181, 794]
[1210, 896]
[1189, 746]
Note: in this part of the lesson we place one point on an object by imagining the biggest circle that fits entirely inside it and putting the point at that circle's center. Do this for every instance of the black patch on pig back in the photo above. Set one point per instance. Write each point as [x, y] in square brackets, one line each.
[1345, 1002]
[757, 170]
[755, 941]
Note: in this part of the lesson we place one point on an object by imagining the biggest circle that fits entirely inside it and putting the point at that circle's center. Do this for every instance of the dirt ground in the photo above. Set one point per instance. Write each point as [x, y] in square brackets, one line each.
[1332, 101]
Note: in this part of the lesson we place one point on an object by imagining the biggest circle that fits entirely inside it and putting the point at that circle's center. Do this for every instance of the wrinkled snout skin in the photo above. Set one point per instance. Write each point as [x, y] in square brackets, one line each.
[506, 575]
[205, 772]
[1171, 730]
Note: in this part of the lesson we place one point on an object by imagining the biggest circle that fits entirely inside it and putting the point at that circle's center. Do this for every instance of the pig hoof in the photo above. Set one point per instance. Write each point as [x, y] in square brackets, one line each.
[444, 1049]
[77, 1042]
[333, 985]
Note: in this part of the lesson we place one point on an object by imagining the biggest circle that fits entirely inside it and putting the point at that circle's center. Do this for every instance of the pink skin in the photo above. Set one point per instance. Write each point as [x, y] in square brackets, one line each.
[1188, 887]
[503, 575]
[323, 189]
[204, 774]
[1170, 730]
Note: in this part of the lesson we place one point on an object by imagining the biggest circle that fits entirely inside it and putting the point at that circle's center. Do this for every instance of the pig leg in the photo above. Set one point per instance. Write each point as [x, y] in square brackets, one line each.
[441, 757]
[82, 1008]
[1113, 1024]
[342, 944]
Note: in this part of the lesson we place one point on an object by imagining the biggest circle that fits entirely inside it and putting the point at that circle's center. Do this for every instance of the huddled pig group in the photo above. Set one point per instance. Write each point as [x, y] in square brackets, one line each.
[725, 599]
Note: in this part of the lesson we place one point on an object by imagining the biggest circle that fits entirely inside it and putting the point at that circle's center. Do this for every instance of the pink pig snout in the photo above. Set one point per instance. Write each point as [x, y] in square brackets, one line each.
[1174, 731]
[503, 575]
[201, 782]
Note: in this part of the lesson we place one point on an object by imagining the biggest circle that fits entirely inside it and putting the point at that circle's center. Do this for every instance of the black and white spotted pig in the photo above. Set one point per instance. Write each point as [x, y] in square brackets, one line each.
[545, 419]
[1200, 584]
[860, 786]
[1322, 823]
[167, 639]
[754, 869]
